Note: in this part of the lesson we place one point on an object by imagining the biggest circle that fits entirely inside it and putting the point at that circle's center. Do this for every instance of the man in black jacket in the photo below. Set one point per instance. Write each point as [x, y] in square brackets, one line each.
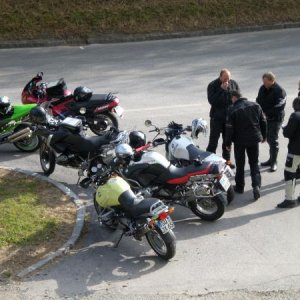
[292, 132]
[272, 98]
[246, 126]
[218, 94]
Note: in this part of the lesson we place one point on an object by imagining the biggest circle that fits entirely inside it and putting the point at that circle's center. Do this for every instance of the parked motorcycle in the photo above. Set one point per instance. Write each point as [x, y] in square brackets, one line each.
[100, 111]
[15, 128]
[181, 151]
[64, 143]
[118, 207]
[195, 187]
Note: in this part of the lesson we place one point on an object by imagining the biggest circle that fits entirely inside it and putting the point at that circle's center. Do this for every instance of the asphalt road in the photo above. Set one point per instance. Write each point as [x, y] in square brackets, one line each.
[254, 246]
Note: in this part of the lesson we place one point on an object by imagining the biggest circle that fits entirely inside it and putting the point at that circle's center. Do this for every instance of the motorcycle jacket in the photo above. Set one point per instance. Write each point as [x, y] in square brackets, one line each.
[246, 124]
[292, 132]
[272, 102]
[219, 99]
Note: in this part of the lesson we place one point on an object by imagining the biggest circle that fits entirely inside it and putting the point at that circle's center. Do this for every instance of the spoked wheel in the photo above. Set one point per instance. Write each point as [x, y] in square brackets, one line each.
[164, 245]
[103, 122]
[210, 208]
[104, 216]
[47, 160]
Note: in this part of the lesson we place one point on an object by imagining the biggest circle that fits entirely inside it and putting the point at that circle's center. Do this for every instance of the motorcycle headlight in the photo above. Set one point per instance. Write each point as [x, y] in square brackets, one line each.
[82, 110]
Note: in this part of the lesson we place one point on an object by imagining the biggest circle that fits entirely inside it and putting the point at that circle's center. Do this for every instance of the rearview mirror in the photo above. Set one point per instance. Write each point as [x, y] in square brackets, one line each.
[148, 123]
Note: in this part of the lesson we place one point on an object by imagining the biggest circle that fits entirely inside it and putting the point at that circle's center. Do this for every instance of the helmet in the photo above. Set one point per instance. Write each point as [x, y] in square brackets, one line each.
[82, 93]
[5, 106]
[124, 151]
[38, 115]
[198, 125]
[137, 139]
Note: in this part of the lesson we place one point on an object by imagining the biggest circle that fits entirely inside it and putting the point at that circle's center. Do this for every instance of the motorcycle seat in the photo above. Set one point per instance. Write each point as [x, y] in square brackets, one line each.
[97, 141]
[134, 205]
[175, 175]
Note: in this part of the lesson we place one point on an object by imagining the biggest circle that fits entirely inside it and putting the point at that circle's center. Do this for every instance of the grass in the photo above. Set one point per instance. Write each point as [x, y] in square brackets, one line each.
[24, 213]
[80, 19]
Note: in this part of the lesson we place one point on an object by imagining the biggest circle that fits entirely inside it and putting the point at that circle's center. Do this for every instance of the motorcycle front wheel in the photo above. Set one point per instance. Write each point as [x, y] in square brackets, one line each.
[103, 122]
[47, 160]
[209, 208]
[164, 245]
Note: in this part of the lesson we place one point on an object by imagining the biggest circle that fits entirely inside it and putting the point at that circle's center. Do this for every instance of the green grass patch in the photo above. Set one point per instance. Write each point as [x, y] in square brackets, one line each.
[70, 19]
[24, 218]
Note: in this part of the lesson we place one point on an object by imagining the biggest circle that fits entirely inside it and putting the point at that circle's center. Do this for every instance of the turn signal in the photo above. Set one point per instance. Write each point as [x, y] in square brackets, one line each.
[171, 210]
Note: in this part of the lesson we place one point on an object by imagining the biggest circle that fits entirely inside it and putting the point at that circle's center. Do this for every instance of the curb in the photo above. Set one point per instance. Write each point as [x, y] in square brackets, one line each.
[123, 38]
[80, 214]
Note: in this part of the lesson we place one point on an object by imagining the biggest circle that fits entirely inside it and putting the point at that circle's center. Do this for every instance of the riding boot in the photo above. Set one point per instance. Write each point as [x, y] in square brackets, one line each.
[273, 160]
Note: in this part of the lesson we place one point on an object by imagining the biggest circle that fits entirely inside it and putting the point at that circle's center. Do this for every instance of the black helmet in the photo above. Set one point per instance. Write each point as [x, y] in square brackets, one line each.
[5, 106]
[137, 139]
[82, 93]
[38, 115]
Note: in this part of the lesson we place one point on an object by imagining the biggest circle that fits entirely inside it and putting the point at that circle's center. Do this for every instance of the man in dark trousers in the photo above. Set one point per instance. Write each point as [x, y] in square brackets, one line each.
[292, 132]
[218, 94]
[246, 127]
[272, 98]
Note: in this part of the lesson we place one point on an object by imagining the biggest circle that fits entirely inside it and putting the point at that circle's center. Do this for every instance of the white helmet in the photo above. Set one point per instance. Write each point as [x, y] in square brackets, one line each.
[124, 151]
[199, 125]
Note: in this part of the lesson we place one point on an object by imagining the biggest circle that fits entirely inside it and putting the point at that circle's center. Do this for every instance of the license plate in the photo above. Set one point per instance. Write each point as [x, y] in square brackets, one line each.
[119, 111]
[224, 182]
[165, 225]
[228, 172]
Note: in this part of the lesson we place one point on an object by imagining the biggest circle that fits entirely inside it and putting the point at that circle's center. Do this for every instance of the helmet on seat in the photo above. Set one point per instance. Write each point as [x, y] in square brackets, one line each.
[82, 93]
[137, 139]
[38, 115]
[5, 106]
[198, 125]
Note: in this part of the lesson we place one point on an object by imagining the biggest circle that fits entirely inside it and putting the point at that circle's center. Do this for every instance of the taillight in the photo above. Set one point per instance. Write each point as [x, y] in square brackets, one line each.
[163, 216]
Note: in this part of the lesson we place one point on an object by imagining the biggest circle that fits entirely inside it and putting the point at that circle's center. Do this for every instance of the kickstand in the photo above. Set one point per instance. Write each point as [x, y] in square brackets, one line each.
[118, 242]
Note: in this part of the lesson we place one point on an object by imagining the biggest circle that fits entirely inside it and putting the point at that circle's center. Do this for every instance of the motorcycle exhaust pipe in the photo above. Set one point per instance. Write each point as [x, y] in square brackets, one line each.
[22, 134]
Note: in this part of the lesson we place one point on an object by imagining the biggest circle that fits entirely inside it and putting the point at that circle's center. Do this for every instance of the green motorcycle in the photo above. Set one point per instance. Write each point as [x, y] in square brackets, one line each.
[15, 128]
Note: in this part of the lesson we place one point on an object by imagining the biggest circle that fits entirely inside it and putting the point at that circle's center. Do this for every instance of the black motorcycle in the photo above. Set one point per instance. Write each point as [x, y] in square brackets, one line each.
[64, 143]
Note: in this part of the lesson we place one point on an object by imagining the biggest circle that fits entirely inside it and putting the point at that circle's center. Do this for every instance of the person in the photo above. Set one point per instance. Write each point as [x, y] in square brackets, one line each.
[246, 127]
[299, 88]
[218, 94]
[272, 99]
[292, 132]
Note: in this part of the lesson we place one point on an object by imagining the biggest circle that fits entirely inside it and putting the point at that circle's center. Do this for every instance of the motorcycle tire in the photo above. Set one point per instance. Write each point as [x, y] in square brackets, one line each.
[30, 144]
[203, 211]
[47, 160]
[164, 245]
[100, 128]
[230, 194]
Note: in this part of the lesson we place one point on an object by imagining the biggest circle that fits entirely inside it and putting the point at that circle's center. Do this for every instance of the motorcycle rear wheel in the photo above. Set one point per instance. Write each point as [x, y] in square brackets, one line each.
[209, 209]
[104, 122]
[47, 160]
[164, 245]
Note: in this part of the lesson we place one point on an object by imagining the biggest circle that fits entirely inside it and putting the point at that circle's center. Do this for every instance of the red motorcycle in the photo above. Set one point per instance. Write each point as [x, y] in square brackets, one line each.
[100, 112]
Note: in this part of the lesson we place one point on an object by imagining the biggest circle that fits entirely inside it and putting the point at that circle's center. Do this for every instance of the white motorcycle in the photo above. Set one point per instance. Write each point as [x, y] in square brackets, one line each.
[181, 151]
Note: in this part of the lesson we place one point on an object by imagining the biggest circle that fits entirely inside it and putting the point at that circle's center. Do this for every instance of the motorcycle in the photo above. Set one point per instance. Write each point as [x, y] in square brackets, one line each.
[195, 187]
[64, 143]
[181, 151]
[15, 128]
[118, 207]
[100, 111]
